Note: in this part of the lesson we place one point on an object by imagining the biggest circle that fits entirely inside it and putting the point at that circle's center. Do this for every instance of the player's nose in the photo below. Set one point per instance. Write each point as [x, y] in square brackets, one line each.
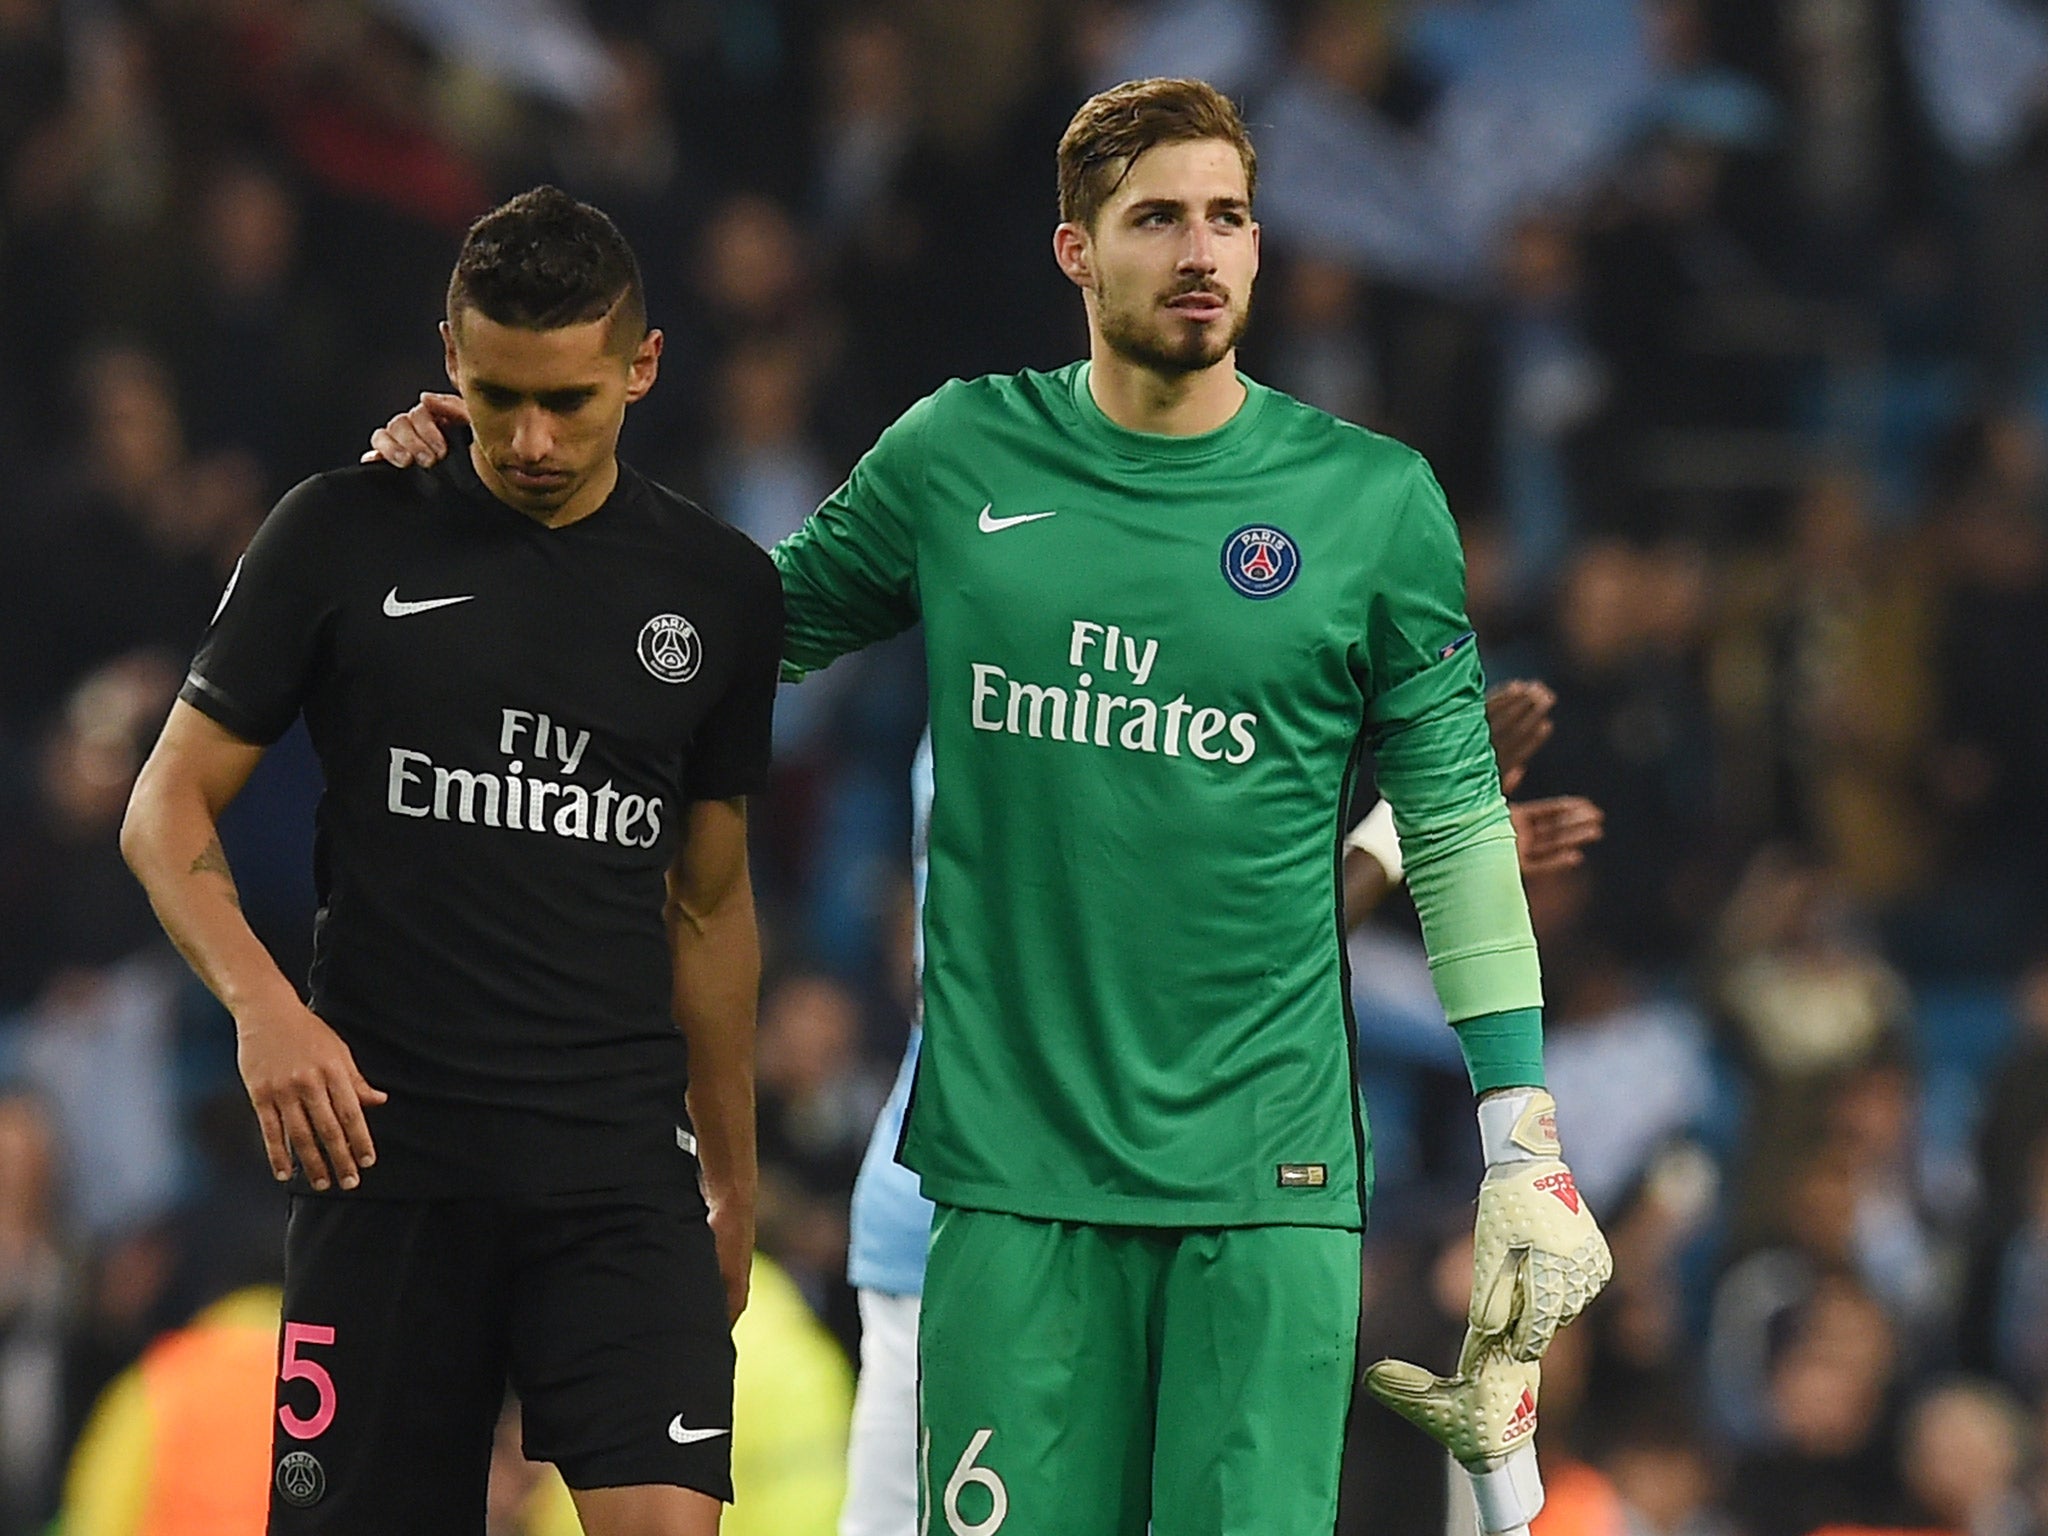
[532, 438]
[1198, 254]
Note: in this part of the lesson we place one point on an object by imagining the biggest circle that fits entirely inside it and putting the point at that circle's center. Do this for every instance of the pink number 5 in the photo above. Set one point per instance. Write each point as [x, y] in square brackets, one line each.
[298, 1369]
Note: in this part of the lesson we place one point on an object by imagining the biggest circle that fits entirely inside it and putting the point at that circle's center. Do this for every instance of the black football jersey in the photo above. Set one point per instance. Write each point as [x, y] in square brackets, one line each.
[511, 720]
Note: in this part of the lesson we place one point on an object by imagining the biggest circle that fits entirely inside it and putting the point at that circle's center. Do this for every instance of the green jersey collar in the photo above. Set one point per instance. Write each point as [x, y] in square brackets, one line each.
[1159, 446]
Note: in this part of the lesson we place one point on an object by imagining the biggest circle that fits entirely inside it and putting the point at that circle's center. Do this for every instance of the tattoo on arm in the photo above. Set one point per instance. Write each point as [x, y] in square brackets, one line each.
[213, 860]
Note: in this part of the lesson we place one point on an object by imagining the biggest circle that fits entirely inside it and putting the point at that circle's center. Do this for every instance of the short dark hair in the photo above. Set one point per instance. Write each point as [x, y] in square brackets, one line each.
[544, 261]
[1116, 126]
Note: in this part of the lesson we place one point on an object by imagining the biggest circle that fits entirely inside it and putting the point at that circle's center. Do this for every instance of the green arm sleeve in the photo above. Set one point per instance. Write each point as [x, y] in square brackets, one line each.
[849, 575]
[1503, 1050]
[1427, 727]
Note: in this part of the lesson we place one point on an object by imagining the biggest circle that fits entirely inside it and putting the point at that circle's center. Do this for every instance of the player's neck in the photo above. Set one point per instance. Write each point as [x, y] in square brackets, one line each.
[1140, 399]
[589, 496]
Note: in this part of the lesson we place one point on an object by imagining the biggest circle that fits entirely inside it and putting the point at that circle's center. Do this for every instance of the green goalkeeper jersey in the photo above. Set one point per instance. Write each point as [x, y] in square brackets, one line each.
[1154, 663]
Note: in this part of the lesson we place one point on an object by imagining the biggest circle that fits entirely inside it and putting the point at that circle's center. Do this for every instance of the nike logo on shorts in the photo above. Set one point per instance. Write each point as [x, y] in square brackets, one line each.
[394, 608]
[685, 1436]
[998, 524]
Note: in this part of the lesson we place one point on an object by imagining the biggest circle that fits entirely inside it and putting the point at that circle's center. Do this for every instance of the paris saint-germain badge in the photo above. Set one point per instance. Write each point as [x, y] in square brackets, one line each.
[1259, 561]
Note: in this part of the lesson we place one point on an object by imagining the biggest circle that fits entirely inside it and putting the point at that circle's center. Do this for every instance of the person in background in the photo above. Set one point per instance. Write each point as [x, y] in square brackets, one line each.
[179, 1444]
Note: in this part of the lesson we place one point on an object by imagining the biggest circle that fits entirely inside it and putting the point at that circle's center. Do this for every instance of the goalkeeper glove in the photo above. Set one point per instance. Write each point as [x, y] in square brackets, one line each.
[1537, 1260]
[1537, 1256]
[1485, 1416]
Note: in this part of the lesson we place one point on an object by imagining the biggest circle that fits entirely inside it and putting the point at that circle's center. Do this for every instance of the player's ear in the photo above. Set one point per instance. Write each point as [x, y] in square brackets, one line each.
[448, 353]
[646, 363]
[1075, 253]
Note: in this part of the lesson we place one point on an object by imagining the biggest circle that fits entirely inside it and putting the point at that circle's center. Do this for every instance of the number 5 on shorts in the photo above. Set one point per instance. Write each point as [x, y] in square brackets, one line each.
[297, 1368]
[964, 1473]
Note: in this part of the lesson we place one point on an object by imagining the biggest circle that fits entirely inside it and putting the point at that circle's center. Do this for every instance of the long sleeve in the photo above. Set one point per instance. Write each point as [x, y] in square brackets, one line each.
[1427, 726]
[849, 574]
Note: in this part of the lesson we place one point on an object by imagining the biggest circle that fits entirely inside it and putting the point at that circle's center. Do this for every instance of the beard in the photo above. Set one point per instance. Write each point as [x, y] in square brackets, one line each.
[1163, 343]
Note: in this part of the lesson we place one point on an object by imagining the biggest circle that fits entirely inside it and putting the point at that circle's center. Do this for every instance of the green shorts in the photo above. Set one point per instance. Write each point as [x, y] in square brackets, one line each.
[1080, 1380]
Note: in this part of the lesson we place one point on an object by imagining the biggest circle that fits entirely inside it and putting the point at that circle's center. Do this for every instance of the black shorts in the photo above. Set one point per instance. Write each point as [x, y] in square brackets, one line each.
[404, 1320]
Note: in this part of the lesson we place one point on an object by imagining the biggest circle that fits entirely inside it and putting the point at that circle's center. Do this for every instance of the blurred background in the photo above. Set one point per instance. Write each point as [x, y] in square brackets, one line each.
[1725, 323]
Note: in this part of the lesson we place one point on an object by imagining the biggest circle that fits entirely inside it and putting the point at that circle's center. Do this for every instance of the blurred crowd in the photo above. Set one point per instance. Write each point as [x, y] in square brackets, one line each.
[1725, 323]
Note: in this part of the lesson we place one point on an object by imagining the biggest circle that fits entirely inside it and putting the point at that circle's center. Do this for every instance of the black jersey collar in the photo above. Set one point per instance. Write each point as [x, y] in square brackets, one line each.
[461, 473]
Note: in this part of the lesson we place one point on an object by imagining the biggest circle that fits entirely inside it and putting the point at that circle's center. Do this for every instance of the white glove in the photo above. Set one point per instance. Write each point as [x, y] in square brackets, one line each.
[1485, 1416]
[1537, 1260]
[1537, 1256]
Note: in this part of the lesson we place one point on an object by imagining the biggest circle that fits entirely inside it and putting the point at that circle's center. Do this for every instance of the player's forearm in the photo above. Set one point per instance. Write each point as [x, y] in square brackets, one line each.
[1365, 886]
[717, 957]
[171, 840]
[1475, 925]
[1436, 768]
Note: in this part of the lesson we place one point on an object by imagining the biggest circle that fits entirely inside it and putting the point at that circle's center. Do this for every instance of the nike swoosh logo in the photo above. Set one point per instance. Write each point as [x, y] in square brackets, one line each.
[395, 609]
[683, 1436]
[998, 524]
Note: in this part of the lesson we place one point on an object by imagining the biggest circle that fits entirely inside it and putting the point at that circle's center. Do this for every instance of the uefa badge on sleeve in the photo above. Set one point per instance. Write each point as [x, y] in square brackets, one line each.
[1260, 561]
[669, 648]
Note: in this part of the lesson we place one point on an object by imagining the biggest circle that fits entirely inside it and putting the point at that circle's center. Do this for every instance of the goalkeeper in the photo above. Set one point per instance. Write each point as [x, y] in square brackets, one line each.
[891, 1221]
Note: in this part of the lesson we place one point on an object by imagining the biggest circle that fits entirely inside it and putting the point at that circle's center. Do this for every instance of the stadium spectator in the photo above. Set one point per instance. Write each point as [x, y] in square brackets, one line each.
[179, 1444]
[766, 475]
[1805, 997]
[64, 902]
[2015, 1120]
[1993, 541]
[1663, 1470]
[1961, 1452]
[129, 549]
[1828, 1459]
[37, 1298]
[2019, 1311]
[1643, 1353]
[1553, 385]
[1634, 737]
[96, 1041]
[817, 1102]
[259, 326]
[1981, 66]
[792, 1399]
[1321, 347]
[1629, 1069]
[1832, 722]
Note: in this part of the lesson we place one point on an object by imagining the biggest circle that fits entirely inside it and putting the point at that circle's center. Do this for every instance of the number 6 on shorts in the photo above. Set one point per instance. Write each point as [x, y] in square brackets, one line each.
[966, 1472]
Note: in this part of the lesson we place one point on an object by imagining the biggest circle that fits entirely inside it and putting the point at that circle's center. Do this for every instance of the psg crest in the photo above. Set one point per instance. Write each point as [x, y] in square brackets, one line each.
[669, 647]
[301, 1480]
[1259, 561]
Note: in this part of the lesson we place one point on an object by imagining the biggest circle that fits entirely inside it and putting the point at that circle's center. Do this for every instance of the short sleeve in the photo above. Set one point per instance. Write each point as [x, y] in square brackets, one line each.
[263, 647]
[849, 574]
[730, 755]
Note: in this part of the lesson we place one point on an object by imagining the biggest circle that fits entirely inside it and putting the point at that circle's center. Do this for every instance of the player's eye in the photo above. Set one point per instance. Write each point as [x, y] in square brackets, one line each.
[566, 402]
[497, 399]
[1157, 218]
